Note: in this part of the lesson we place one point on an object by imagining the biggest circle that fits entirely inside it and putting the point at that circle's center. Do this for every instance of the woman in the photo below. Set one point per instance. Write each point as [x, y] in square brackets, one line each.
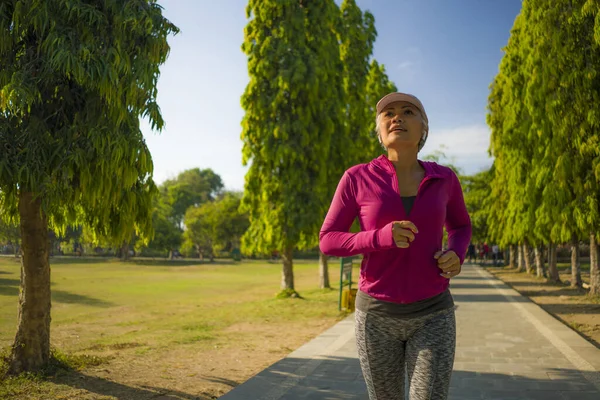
[405, 322]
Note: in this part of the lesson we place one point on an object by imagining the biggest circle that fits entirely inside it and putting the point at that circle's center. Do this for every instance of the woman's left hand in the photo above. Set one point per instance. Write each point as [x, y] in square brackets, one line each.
[449, 263]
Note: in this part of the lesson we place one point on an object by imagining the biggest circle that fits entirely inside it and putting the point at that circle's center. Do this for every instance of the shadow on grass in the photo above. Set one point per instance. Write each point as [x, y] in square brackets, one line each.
[104, 387]
[9, 287]
[66, 260]
[222, 381]
[177, 263]
[60, 296]
[590, 309]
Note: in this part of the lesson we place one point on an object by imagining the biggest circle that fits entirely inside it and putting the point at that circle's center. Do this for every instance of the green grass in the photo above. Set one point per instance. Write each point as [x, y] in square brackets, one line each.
[114, 304]
[106, 309]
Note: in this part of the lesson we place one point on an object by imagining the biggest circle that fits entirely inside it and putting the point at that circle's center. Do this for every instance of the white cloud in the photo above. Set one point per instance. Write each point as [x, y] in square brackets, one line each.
[465, 146]
[406, 65]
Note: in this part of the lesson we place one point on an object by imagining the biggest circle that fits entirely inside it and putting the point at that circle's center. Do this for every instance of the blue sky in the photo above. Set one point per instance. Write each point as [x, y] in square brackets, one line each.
[446, 52]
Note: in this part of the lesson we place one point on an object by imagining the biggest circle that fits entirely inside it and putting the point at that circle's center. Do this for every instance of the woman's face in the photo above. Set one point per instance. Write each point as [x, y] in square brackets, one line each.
[401, 126]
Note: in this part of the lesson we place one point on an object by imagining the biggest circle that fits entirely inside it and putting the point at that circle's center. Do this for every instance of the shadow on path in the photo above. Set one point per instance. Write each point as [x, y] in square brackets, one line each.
[338, 378]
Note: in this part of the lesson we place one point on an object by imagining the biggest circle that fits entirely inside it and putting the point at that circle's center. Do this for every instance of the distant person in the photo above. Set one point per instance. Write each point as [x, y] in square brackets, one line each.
[471, 253]
[496, 254]
[486, 252]
[405, 321]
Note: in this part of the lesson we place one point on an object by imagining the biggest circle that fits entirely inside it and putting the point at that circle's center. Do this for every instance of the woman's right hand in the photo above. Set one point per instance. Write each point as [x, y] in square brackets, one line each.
[403, 233]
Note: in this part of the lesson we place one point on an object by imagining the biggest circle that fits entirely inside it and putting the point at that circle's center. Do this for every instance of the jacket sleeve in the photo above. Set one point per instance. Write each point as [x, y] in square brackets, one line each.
[458, 222]
[335, 238]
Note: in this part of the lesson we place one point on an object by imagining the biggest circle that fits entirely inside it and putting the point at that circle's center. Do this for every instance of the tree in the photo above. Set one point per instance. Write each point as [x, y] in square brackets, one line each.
[75, 76]
[378, 85]
[9, 231]
[219, 224]
[192, 187]
[356, 33]
[231, 221]
[292, 108]
[167, 234]
[476, 189]
[545, 131]
[200, 223]
[357, 36]
[564, 91]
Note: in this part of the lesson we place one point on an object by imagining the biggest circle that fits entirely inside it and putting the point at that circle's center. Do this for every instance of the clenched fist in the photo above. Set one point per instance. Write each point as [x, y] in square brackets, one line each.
[403, 233]
[449, 263]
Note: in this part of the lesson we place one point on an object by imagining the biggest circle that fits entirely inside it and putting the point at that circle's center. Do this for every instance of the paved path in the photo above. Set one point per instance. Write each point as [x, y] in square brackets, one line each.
[508, 348]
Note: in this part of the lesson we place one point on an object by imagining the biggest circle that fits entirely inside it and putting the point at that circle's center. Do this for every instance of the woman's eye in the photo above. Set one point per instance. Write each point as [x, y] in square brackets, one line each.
[389, 114]
[409, 111]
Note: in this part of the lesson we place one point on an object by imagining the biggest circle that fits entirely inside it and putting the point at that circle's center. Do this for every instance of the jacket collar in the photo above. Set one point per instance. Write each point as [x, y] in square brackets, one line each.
[432, 169]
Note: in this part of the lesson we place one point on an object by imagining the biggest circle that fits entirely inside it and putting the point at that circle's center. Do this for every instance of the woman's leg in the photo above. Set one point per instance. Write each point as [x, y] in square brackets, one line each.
[381, 355]
[430, 356]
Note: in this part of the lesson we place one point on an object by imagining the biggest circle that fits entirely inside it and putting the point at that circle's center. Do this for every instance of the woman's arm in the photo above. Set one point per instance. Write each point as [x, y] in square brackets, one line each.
[335, 238]
[458, 223]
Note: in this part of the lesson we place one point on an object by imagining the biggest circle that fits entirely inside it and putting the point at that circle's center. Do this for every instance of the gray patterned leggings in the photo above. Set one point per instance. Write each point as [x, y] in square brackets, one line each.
[389, 347]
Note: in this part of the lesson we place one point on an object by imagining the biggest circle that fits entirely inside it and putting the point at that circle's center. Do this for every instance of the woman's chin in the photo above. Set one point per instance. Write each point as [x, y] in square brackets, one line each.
[402, 144]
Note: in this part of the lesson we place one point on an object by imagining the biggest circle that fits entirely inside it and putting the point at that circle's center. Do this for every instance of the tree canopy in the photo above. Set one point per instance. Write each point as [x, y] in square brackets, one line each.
[75, 78]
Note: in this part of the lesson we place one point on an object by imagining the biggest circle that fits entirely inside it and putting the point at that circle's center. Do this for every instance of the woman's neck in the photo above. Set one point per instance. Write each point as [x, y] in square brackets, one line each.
[405, 162]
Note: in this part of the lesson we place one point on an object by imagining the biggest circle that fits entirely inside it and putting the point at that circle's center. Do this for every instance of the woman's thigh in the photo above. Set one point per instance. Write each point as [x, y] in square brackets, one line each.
[381, 354]
[430, 357]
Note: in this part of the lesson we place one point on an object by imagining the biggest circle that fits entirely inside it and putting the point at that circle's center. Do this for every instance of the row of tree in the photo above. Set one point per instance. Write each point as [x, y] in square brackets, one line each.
[309, 115]
[544, 186]
[191, 214]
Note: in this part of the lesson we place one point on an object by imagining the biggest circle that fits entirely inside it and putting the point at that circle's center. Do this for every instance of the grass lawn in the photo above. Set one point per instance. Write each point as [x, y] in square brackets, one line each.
[168, 327]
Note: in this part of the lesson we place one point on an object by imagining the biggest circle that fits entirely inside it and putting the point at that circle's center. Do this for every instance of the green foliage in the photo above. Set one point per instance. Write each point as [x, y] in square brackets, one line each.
[357, 36]
[292, 108]
[476, 189]
[545, 126]
[167, 234]
[217, 225]
[192, 187]
[75, 77]
[378, 85]
[9, 232]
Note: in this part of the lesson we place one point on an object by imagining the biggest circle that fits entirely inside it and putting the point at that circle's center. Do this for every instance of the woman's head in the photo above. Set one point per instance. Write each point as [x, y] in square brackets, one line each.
[401, 122]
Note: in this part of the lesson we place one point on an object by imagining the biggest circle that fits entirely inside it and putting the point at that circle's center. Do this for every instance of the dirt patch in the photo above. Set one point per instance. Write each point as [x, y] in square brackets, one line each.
[574, 307]
[202, 370]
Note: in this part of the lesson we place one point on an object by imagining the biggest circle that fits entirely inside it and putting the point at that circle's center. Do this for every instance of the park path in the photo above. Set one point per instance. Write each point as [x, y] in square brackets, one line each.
[508, 348]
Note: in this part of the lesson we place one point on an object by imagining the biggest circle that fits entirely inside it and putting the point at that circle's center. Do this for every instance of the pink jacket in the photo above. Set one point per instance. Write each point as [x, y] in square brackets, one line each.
[370, 193]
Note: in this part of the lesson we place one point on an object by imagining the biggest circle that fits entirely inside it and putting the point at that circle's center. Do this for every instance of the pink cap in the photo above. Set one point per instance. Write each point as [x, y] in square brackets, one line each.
[397, 96]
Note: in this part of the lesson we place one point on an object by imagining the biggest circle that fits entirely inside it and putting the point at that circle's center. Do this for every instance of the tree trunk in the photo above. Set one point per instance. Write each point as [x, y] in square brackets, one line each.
[575, 263]
[539, 261]
[520, 261]
[125, 252]
[552, 268]
[323, 271]
[512, 255]
[287, 275]
[31, 349]
[171, 254]
[594, 267]
[527, 257]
